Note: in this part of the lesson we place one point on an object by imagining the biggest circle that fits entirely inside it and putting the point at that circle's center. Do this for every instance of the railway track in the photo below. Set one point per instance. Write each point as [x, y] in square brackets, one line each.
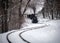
[23, 31]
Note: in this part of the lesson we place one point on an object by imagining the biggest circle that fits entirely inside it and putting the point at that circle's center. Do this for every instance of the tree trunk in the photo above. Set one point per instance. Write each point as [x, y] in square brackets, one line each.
[43, 12]
[4, 22]
[4, 16]
[52, 14]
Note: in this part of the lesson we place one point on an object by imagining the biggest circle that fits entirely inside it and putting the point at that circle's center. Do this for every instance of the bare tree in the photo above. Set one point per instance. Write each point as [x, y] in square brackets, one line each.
[4, 15]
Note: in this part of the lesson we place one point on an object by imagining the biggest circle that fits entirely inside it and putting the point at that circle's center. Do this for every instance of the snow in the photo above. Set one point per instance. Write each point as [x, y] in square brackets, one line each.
[0, 38]
[39, 8]
[15, 36]
[29, 11]
[3, 37]
[47, 32]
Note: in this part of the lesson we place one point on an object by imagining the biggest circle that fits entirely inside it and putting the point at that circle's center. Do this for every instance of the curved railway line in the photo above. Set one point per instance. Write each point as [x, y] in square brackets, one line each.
[8, 35]
[20, 34]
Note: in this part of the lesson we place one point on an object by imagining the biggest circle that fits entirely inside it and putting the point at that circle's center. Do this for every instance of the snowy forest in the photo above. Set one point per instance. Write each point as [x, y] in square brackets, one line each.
[29, 21]
[12, 12]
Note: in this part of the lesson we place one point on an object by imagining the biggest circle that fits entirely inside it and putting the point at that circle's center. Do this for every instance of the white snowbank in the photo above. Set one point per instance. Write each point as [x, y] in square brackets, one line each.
[48, 34]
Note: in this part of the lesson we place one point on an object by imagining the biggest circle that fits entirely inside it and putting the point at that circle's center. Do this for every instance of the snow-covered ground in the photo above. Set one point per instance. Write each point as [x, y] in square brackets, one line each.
[47, 32]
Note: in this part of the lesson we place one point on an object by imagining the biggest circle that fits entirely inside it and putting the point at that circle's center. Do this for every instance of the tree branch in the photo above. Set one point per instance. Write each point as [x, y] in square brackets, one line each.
[26, 6]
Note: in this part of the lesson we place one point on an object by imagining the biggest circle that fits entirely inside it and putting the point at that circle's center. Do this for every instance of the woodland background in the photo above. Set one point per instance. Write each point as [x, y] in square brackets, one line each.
[12, 18]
